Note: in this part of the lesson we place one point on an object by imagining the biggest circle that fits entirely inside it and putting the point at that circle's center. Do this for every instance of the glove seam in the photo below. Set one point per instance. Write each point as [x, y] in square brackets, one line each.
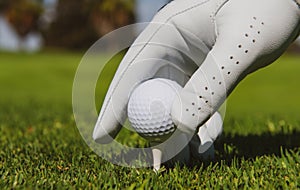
[219, 5]
[214, 13]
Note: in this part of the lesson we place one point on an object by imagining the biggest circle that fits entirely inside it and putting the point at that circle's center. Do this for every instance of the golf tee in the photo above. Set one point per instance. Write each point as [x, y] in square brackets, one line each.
[157, 156]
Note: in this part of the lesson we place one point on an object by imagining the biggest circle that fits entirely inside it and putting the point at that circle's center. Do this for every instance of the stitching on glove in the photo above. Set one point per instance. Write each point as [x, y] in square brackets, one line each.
[213, 15]
[219, 5]
[142, 48]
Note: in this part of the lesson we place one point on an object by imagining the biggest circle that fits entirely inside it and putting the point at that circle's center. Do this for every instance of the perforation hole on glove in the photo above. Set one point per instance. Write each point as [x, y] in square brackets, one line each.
[255, 29]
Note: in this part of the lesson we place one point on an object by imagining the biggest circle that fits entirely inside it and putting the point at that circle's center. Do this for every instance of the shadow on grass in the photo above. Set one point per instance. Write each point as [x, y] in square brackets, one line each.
[231, 148]
[251, 146]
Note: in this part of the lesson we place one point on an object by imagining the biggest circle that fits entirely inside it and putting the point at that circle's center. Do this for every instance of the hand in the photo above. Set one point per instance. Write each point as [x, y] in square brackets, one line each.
[208, 46]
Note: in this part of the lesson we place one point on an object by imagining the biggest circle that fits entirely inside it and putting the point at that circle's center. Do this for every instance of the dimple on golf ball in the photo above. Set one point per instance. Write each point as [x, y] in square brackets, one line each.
[149, 108]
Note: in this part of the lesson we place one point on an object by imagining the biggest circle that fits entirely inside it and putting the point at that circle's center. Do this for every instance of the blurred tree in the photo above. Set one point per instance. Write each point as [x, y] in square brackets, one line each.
[71, 27]
[80, 23]
[3, 5]
[23, 15]
[107, 15]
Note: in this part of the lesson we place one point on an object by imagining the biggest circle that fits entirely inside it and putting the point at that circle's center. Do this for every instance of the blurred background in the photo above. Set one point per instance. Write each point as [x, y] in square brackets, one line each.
[31, 25]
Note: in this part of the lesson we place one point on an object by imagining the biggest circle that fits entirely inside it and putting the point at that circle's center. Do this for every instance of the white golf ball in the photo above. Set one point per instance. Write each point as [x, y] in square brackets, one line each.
[149, 108]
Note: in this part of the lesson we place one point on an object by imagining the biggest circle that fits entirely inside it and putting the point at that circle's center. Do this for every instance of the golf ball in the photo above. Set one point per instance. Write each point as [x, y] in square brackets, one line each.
[149, 108]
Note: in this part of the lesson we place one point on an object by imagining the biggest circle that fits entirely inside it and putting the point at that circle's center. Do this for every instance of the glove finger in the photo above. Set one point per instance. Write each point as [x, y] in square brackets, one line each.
[154, 54]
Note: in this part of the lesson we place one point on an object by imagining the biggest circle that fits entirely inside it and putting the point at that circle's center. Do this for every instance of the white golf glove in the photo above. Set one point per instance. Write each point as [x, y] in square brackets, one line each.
[208, 46]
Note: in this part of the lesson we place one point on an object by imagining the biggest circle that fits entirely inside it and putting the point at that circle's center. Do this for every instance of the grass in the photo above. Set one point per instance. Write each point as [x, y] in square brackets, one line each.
[40, 146]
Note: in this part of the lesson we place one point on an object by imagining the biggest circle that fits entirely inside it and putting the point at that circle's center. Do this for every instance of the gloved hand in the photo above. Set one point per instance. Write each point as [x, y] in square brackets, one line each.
[208, 46]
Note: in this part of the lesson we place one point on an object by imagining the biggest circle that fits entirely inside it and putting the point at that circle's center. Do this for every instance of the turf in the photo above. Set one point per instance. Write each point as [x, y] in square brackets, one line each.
[41, 148]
